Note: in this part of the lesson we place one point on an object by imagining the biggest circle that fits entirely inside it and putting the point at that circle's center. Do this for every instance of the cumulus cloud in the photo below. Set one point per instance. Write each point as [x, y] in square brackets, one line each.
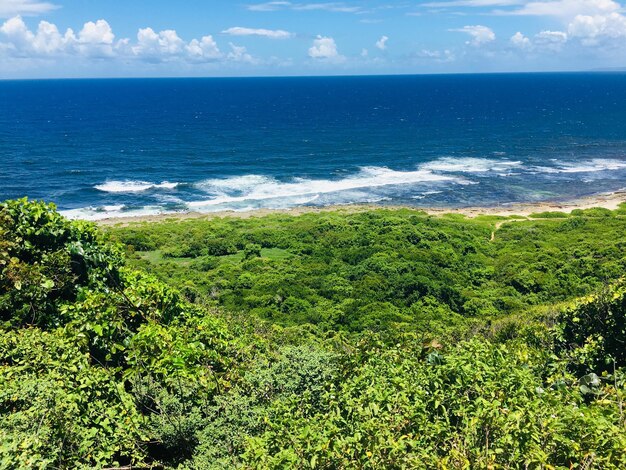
[96, 33]
[96, 40]
[382, 43]
[543, 41]
[521, 41]
[158, 45]
[93, 39]
[239, 54]
[592, 28]
[205, 48]
[550, 40]
[591, 22]
[324, 48]
[480, 34]
[10, 8]
[268, 33]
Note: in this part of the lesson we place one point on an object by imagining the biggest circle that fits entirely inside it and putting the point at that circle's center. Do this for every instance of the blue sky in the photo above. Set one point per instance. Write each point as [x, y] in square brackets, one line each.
[137, 38]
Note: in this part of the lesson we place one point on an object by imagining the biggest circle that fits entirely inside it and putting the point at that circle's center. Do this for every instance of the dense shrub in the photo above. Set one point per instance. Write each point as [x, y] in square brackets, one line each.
[407, 341]
[593, 329]
[478, 405]
[79, 331]
[46, 260]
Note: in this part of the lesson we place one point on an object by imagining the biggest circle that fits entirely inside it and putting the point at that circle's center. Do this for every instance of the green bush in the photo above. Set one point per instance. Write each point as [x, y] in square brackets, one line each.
[381, 339]
[479, 405]
[593, 329]
[46, 260]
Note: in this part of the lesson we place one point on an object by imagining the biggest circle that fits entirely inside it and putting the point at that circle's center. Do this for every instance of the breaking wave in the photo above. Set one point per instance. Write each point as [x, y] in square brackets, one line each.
[258, 188]
[132, 186]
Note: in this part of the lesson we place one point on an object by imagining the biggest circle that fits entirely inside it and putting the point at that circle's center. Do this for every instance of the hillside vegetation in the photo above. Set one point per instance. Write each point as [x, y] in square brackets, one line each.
[377, 339]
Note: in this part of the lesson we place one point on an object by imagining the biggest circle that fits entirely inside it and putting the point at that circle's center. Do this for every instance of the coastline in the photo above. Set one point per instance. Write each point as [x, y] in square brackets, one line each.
[607, 201]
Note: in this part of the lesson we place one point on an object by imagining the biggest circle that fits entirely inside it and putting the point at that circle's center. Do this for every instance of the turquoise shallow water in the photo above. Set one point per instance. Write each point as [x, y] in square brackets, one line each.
[103, 148]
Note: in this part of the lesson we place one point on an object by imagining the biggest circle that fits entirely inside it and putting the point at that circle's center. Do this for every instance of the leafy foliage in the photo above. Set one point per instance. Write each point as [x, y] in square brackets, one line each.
[478, 405]
[380, 339]
[383, 269]
[593, 330]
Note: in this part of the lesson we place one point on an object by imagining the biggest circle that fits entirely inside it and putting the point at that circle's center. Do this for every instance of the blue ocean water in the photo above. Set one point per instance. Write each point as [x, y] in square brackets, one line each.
[100, 148]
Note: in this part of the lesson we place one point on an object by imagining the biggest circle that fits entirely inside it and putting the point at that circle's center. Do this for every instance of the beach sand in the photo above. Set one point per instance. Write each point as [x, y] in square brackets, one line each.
[608, 201]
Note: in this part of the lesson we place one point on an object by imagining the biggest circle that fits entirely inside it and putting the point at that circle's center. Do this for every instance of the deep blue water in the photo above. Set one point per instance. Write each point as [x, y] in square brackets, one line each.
[114, 147]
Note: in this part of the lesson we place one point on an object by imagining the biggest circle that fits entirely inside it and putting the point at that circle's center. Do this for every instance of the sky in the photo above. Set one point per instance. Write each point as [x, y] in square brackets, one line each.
[168, 38]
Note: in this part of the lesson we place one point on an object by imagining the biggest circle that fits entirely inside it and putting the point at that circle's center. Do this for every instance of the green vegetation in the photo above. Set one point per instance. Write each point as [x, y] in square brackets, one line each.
[377, 339]
[384, 270]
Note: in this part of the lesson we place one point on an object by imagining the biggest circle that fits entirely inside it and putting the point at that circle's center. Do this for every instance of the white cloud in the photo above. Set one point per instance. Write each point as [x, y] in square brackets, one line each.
[94, 39]
[566, 8]
[521, 41]
[268, 33]
[589, 21]
[550, 40]
[48, 38]
[382, 43]
[480, 34]
[97, 40]
[206, 48]
[438, 56]
[472, 3]
[17, 33]
[10, 8]
[239, 54]
[269, 6]
[21, 42]
[96, 33]
[327, 6]
[544, 41]
[157, 46]
[364, 52]
[590, 28]
[324, 48]
[552, 36]
[335, 7]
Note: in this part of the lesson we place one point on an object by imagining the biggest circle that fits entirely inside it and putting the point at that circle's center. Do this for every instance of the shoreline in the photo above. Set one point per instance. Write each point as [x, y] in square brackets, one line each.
[607, 201]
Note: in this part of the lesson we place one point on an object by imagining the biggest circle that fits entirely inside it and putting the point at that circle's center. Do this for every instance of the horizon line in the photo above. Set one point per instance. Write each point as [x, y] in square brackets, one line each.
[244, 77]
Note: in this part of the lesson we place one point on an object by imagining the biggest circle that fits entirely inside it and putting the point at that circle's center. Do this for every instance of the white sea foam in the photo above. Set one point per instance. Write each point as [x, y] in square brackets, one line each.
[132, 186]
[257, 188]
[425, 194]
[107, 212]
[470, 165]
[112, 208]
[590, 166]
[249, 192]
[584, 166]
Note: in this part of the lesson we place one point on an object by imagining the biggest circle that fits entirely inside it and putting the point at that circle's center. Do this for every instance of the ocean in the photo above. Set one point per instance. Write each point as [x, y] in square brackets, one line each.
[112, 148]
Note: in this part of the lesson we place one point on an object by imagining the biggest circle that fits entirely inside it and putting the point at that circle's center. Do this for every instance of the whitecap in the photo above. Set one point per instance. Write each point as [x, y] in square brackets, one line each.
[584, 166]
[256, 187]
[130, 186]
[107, 212]
[470, 165]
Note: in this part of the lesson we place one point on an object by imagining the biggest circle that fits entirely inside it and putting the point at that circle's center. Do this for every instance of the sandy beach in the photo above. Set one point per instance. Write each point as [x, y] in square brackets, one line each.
[608, 201]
